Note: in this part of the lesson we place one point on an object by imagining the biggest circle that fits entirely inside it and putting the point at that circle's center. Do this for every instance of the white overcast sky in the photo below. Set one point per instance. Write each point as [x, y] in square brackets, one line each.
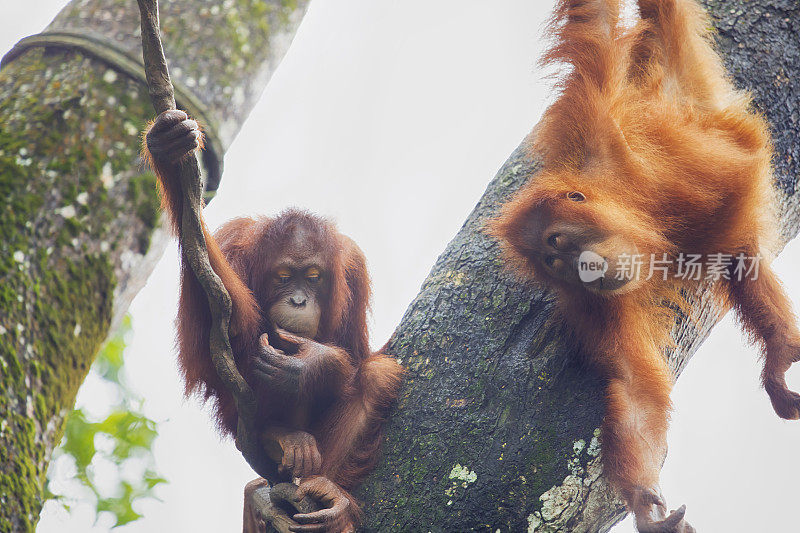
[392, 117]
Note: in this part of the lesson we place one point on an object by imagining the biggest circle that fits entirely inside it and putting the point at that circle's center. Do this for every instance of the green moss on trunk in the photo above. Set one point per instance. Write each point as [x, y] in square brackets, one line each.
[72, 210]
[78, 211]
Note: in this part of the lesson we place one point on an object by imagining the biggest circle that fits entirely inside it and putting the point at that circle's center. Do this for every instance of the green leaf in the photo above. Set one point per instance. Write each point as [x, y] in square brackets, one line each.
[109, 361]
[131, 431]
[151, 479]
[79, 439]
[121, 507]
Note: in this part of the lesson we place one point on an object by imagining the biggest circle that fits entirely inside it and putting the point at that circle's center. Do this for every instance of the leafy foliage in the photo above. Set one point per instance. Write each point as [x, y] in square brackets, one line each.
[121, 440]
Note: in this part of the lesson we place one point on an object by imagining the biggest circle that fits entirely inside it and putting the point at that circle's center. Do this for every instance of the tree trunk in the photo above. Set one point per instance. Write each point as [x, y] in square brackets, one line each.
[497, 429]
[79, 225]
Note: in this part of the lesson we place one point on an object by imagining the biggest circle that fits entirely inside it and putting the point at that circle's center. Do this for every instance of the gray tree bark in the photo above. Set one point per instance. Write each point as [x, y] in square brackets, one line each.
[79, 224]
[497, 429]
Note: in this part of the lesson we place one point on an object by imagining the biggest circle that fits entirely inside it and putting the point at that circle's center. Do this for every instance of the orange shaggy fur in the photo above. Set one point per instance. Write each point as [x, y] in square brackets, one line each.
[344, 402]
[670, 158]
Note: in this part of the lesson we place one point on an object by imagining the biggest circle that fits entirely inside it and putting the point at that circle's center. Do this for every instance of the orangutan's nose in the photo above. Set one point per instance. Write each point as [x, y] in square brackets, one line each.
[298, 299]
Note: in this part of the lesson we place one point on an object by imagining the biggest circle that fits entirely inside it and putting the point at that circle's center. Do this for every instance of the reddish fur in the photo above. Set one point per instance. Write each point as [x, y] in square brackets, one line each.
[242, 252]
[669, 155]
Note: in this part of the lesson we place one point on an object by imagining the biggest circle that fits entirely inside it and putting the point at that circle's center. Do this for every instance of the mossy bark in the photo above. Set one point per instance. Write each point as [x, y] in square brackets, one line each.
[80, 224]
[496, 429]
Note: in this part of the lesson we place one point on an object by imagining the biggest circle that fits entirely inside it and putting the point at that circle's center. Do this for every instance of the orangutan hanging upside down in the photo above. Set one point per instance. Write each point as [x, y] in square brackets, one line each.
[651, 160]
[300, 293]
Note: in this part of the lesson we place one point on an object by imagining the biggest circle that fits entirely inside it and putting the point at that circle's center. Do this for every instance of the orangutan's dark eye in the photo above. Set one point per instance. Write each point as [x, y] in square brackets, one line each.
[550, 260]
[313, 275]
[554, 241]
[282, 276]
[576, 196]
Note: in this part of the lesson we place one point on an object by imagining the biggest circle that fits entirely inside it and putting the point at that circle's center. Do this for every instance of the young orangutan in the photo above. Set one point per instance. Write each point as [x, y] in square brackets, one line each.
[322, 393]
[650, 156]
